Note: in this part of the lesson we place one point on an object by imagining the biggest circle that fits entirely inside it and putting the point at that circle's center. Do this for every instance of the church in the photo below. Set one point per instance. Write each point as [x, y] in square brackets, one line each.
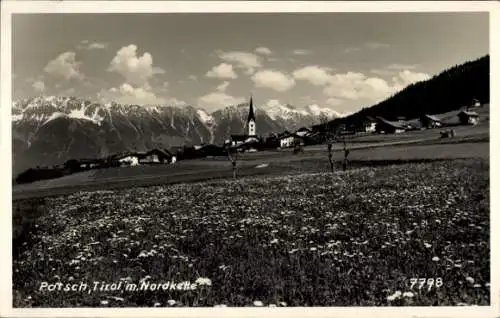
[250, 126]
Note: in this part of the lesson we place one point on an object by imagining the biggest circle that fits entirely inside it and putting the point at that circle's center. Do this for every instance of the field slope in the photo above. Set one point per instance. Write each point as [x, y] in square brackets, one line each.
[314, 239]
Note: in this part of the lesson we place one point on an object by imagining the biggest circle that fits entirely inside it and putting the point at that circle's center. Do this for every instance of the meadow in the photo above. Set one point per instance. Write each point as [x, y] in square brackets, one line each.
[357, 237]
[314, 159]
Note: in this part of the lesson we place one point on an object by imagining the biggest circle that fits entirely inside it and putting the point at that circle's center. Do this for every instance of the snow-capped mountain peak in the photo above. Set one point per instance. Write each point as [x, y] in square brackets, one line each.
[316, 110]
[205, 117]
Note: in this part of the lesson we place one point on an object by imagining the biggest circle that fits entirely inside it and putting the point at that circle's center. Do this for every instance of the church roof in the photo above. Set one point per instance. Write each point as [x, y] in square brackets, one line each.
[251, 115]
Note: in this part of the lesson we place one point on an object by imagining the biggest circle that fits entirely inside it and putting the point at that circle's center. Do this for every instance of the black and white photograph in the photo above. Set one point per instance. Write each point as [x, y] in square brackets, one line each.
[248, 159]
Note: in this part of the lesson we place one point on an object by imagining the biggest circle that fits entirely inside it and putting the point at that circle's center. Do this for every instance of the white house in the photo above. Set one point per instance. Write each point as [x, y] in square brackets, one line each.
[287, 142]
[130, 160]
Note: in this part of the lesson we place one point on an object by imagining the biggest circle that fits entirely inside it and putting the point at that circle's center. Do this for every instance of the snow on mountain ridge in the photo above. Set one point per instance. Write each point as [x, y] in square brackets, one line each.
[316, 110]
[205, 117]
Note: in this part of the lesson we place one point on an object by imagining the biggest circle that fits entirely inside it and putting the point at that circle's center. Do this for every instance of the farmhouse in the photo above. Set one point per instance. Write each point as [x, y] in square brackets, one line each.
[468, 117]
[128, 160]
[156, 156]
[287, 139]
[429, 121]
[384, 126]
[89, 163]
[304, 131]
[368, 125]
[251, 126]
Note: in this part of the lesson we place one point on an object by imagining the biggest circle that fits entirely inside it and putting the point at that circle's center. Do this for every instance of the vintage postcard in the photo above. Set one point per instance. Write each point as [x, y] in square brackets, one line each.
[231, 159]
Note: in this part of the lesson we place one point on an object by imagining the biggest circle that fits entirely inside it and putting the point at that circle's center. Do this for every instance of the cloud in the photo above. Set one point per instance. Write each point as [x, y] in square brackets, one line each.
[193, 77]
[333, 101]
[315, 74]
[376, 45]
[367, 45]
[273, 79]
[222, 87]
[128, 94]
[39, 86]
[407, 77]
[219, 99]
[68, 92]
[65, 66]
[87, 45]
[358, 86]
[136, 70]
[355, 86]
[301, 52]
[382, 72]
[223, 71]
[402, 66]
[351, 49]
[263, 50]
[244, 60]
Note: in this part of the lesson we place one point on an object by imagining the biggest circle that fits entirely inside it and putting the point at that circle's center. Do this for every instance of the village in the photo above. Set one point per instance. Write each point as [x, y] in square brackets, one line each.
[315, 135]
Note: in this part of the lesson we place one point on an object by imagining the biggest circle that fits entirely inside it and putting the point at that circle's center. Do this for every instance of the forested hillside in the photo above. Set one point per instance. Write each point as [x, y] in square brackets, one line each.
[450, 90]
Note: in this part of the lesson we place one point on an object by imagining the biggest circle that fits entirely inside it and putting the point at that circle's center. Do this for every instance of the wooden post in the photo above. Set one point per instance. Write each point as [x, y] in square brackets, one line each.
[346, 153]
[330, 154]
[232, 159]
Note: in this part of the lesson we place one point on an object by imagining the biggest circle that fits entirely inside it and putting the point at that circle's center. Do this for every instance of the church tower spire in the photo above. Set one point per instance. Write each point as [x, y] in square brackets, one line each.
[251, 119]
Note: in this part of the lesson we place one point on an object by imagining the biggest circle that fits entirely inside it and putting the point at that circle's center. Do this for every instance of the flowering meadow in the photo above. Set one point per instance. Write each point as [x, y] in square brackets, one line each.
[359, 237]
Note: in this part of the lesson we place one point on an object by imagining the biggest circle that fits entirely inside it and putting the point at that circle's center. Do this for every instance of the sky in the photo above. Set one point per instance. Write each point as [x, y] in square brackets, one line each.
[343, 61]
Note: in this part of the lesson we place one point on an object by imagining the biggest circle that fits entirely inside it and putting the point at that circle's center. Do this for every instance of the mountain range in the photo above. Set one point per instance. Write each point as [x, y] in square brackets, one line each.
[48, 130]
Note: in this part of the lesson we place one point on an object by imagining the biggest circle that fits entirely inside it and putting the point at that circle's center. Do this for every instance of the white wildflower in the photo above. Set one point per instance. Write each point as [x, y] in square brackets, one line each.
[408, 294]
[203, 281]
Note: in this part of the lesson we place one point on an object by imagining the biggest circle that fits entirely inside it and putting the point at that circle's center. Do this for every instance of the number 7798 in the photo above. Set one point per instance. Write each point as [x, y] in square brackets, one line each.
[430, 282]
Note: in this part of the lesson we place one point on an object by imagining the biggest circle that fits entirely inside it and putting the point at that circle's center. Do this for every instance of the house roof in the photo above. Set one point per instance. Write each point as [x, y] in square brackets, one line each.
[163, 152]
[433, 118]
[287, 135]
[89, 160]
[390, 123]
[467, 113]
[305, 129]
[302, 133]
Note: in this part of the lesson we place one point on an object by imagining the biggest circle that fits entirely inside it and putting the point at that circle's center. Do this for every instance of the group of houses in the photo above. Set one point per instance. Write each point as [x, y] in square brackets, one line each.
[251, 141]
[155, 156]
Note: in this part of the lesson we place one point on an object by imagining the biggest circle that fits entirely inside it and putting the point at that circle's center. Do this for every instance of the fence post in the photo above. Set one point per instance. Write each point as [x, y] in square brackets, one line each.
[232, 159]
[330, 155]
[346, 153]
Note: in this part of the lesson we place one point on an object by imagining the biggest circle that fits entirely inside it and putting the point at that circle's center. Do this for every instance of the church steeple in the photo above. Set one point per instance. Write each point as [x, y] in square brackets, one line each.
[251, 119]
[251, 115]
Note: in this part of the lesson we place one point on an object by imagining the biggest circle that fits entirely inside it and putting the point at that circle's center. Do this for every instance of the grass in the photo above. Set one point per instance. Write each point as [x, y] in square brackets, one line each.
[312, 239]
[313, 160]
